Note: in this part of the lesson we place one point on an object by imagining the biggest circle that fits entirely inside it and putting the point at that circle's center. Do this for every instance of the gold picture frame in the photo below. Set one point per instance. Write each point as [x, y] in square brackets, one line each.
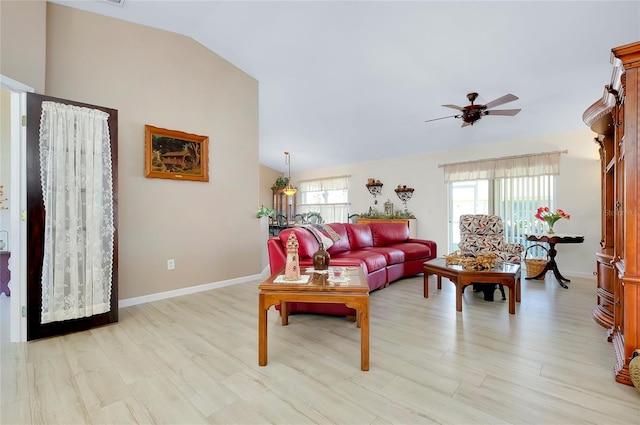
[176, 155]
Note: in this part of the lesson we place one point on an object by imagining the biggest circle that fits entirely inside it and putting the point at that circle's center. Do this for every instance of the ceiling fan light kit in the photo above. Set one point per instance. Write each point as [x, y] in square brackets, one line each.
[472, 113]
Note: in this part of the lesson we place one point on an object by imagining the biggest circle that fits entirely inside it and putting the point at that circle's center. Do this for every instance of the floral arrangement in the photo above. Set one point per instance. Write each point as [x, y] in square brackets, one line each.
[550, 217]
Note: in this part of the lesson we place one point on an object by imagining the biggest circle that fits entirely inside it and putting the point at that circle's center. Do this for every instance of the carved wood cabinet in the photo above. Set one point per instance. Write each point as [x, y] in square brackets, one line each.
[616, 120]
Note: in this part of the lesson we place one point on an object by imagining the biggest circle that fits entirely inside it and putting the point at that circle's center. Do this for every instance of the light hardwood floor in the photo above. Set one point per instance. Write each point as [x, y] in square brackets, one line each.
[193, 359]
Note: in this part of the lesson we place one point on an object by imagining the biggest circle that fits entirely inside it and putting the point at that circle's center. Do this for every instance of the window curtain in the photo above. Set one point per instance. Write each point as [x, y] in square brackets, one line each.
[76, 178]
[334, 206]
[547, 163]
[329, 183]
[517, 200]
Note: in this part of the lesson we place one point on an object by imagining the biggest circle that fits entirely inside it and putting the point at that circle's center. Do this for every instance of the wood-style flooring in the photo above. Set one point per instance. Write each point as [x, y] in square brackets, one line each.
[193, 360]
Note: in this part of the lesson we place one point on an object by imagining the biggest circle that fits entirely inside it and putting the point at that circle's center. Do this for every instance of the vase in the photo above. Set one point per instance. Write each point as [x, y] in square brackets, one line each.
[321, 259]
[550, 229]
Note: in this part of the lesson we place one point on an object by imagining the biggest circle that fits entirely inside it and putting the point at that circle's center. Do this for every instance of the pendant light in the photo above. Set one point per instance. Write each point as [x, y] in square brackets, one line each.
[290, 190]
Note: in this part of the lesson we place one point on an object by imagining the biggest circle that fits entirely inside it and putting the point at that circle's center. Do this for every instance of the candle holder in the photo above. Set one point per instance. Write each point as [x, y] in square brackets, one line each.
[404, 193]
[375, 188]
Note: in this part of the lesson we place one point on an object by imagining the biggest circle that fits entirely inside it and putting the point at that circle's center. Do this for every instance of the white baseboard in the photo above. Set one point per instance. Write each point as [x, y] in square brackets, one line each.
[192, 289]
[579, 274]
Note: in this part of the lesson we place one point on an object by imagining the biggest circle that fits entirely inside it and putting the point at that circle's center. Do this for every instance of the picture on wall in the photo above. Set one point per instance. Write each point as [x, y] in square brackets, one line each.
[171, 154]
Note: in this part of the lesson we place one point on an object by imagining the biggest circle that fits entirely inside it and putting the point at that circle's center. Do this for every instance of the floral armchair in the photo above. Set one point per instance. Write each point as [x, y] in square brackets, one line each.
[483, 233]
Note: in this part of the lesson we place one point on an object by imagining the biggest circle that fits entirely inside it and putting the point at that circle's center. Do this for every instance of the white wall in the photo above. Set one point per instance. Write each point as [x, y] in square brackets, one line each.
[578, 189]
[5, 158]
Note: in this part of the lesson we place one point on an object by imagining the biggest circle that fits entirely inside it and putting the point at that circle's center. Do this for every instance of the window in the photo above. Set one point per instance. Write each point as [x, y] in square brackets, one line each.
[514, 199]
[517, 200]
[511, 187]
[328, 196]
[469, 197]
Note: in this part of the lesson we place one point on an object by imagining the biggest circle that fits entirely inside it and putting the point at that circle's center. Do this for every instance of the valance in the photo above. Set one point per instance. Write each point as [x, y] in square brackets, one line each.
[531, 165]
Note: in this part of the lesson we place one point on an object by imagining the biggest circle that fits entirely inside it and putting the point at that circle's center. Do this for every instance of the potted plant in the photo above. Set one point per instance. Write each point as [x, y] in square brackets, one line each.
[281, 181]
[266, 212]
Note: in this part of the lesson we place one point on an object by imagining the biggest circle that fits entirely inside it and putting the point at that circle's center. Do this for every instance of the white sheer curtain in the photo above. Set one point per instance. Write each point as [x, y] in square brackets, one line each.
[76, 177]
[327, 195]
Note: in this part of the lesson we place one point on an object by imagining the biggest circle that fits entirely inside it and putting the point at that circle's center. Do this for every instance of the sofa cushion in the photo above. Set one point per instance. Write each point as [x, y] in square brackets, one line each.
[372, 260]
[341, 245]
[413, 251]
[359, 236]
[388, 233]
[391, 255]
[308, 244]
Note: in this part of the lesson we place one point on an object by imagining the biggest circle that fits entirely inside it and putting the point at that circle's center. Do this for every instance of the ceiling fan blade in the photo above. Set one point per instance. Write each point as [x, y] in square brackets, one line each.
[459, 108]
[464, 123]
[441, 118]
[502, 100]
[505, 112]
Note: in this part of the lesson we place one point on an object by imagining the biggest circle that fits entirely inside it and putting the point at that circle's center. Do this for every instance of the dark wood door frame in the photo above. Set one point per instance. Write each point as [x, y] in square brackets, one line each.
[35, 226]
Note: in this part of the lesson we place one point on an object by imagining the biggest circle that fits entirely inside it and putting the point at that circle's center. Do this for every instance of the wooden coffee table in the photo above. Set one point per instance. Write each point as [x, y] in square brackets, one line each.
[354, 292]
[507, 274]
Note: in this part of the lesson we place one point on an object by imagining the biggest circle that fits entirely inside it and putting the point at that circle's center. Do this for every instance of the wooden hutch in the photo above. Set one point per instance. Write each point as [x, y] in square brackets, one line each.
[616, 120]
[283, 204]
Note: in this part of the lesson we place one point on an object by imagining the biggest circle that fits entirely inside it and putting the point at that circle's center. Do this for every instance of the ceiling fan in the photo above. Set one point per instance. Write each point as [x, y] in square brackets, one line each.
[472, 113]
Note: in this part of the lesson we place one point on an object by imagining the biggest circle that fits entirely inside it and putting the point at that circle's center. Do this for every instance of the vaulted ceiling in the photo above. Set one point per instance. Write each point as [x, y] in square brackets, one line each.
[351, 81]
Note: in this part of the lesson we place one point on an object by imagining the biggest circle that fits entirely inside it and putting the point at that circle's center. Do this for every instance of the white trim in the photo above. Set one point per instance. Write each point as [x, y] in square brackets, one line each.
[13, 85]
[18, 228]
[190, 290]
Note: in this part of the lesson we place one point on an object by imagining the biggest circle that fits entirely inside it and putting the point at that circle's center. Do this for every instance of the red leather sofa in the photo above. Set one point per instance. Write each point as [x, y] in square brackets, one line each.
[384, 251]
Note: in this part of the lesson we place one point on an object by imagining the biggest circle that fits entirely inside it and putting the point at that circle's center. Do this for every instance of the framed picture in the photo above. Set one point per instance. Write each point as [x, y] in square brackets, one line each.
[171, 154]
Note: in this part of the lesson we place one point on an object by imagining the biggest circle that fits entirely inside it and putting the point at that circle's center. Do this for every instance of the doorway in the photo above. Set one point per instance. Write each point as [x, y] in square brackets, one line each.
[12, 177]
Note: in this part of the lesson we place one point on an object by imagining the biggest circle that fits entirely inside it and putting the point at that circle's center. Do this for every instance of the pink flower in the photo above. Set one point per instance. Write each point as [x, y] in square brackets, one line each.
[545, 214]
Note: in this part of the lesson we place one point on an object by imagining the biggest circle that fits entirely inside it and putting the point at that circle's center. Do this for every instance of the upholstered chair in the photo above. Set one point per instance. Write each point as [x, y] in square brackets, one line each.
[482, 233]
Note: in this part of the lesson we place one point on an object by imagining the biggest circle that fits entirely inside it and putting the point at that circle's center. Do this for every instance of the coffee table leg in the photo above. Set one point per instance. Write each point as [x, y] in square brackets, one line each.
[284, 313]
[512, 299]
[426, 285]
[459, 287]
[262, 332]
[364, 335]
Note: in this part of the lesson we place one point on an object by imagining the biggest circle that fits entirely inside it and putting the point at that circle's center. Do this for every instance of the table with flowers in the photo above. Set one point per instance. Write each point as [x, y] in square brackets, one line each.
[553, 239]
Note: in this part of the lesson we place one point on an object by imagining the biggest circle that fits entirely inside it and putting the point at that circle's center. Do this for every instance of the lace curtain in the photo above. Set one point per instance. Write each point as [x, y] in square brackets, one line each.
[76, 178]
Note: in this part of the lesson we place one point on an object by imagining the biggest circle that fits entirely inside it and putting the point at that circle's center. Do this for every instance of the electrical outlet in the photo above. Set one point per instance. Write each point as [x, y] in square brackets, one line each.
[171, 264]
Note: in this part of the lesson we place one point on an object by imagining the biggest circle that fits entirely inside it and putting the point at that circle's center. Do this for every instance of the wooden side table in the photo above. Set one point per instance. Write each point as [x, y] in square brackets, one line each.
[5, 274]
[354, 292]
[552, 240]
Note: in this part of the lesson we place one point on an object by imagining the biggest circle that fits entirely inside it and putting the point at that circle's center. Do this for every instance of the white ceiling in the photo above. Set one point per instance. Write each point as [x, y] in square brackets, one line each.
[343, 82]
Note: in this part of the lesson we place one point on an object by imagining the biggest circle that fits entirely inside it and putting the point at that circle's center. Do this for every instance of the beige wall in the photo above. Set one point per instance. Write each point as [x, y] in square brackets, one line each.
[578, 189]
[170, 81]
[22, 42]
[268, 176]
